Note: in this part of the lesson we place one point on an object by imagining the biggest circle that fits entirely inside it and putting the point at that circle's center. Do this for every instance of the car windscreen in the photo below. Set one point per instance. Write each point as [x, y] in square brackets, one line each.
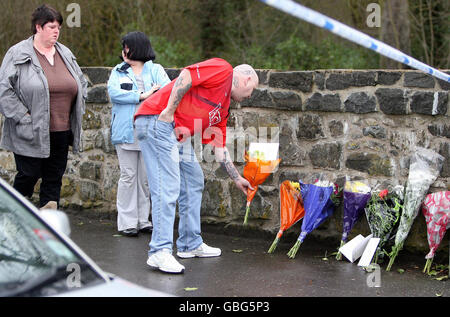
[33, 260]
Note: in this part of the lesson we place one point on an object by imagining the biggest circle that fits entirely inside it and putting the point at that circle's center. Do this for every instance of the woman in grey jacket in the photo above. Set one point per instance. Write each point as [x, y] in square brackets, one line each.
[42, 97]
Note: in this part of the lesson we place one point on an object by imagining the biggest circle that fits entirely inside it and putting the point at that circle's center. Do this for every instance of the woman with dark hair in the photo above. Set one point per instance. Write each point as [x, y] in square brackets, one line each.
[42, 97]
[131, 82]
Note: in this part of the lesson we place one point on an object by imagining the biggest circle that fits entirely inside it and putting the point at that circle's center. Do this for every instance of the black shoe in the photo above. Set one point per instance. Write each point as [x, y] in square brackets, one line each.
[148, 229]
[129, 232]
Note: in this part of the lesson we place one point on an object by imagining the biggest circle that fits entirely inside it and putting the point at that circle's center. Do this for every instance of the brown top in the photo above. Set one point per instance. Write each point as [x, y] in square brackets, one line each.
[63, 91]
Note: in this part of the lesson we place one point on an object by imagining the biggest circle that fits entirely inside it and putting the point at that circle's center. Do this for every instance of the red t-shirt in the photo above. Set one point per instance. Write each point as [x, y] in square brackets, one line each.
[204, 108]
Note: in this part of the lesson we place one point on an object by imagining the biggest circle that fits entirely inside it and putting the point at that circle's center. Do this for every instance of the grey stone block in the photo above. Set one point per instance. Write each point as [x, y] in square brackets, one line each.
[363, 78]
[369, 163]
[287, 100]
[336, 128]
[445, 85]
[263, 76]
[213, 199]
[299, 81]
[89, 191]
[339, 81]
[310, 127]
[425, 103]
[360, 102]
[319, 80]
[444, 150]
[292, 155]
[319, 102]
[419, 80]
[98, 94]
[97, 75]
[391, 101]
[90, 170]
[376, 131]
[439, 130]
[388, 78]
[259, 98]
[326, 155]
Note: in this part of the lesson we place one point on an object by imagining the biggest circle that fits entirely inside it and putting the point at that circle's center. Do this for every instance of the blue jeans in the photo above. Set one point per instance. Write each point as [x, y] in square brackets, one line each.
[174, 174]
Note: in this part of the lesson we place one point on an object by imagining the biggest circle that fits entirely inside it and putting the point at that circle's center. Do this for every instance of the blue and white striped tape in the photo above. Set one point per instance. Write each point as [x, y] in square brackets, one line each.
[352, 35]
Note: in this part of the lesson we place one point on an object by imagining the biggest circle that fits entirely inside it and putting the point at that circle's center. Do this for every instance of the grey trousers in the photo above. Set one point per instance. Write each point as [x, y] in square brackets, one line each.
[133, 196]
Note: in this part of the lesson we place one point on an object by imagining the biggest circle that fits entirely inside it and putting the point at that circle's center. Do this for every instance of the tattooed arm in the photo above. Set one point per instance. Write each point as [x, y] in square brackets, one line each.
[223, 156]
[180, 88]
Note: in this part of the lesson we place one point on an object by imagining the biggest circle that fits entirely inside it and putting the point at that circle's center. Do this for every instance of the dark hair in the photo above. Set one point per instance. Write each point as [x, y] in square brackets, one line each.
[44, 14]
[139, 47]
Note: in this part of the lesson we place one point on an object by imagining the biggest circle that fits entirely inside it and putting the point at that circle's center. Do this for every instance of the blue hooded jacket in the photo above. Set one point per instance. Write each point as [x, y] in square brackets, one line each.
[124, 94]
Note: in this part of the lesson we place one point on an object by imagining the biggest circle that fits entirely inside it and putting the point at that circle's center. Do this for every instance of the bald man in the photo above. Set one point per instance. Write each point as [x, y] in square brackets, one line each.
[197, 101]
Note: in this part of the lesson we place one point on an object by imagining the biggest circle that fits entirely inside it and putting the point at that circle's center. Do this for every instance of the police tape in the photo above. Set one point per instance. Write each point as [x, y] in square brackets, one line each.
[352, 35]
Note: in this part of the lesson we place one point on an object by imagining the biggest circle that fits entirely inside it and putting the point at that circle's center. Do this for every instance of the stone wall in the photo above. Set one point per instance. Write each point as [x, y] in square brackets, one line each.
[332, 123]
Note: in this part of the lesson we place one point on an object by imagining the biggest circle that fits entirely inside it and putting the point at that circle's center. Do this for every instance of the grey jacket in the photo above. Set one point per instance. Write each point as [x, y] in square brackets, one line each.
[25, 101]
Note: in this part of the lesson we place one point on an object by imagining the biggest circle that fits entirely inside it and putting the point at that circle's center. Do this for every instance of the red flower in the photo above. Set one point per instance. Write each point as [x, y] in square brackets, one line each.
[383, 193]
[336, 189]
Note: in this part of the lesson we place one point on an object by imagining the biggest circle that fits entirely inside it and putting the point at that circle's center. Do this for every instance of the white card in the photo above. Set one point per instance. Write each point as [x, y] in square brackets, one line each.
[267, 151]
[353, 249]
[369, 251]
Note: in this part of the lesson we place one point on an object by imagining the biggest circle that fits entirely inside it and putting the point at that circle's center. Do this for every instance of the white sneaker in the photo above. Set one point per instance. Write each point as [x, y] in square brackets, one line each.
[203, 251]
[165, 261]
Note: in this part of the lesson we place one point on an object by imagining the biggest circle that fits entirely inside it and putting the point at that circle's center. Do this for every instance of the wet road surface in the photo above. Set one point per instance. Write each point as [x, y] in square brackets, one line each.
[245, 269]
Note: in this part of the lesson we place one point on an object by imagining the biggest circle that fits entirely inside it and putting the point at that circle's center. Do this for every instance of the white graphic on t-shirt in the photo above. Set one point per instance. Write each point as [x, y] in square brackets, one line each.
[214, 115]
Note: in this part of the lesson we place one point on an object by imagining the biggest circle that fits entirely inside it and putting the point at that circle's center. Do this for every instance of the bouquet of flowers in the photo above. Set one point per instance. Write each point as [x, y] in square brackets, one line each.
[256, 171]
[356, 195]
[424, 169]
[291, 209]
[383, 212]
[318, 207]
[336, 196]
[436, 209]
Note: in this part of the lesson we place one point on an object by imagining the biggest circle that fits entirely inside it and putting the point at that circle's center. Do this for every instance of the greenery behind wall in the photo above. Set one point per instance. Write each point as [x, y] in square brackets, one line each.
[183, 32]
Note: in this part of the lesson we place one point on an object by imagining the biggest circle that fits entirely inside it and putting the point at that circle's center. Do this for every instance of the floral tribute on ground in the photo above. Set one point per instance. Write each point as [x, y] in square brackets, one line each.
[383, 212]
[436, 209]
[423, 171]
[318, 207]
[356, 195]
[291, 209]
